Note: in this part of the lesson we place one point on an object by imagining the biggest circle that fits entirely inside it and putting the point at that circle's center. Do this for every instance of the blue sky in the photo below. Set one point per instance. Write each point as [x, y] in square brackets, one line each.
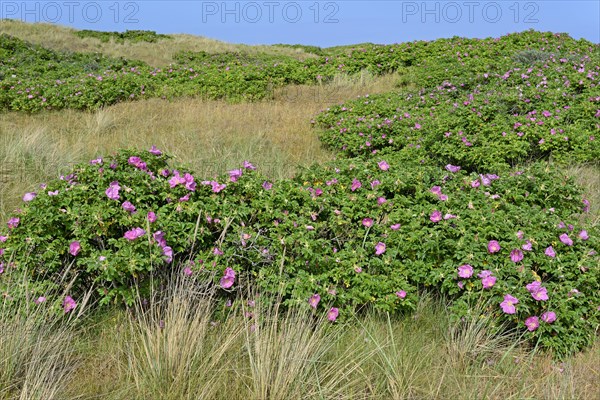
[321, 23]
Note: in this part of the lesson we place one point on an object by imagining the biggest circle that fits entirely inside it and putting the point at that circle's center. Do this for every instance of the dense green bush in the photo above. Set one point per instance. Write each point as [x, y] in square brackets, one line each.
[82, 220]
[36, 78]
[353, 233]
[379, 243]
[484, 122]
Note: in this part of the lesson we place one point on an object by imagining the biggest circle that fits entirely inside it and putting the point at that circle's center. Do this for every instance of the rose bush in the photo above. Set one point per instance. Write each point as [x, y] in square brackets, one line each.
[354, 232]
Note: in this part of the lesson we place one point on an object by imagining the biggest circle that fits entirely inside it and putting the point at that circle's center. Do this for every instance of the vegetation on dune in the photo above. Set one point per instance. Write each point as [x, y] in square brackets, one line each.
[352, 233]
[261, 350]
[455, 187]
[242, 77]
[157, 54]
[483, 121]
[121, 37]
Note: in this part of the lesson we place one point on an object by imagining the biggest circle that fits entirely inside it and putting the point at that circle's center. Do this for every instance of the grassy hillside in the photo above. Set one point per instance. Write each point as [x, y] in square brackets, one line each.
[159, 54]
[424, 107]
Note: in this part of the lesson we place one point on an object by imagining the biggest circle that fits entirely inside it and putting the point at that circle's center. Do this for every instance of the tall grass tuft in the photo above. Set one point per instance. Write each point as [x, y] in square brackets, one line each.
[400, 354]
[36, 353]
[292, 354]
[588, 176]
[178, 345]
[173, 349]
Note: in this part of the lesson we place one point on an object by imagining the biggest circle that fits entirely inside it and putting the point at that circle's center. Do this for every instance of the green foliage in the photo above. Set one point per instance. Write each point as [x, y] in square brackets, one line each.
[134, 36]
[353, 233]
[76, 208]
[482, 122]
[231, 58]
[35, 78]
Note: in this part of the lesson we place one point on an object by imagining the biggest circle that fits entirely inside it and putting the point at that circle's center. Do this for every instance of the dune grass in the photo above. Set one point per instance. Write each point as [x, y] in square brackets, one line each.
[34, 361]
[36, 356]
[175, 345]
[157, 54]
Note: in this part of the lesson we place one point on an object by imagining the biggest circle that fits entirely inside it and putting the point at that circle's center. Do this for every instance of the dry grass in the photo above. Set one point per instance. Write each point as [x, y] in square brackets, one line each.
[588, 176]
[174, 346]
[209, 136]
[34, 361]
[292, 354]
[173, 349]
[158, 54]
[36, 353]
